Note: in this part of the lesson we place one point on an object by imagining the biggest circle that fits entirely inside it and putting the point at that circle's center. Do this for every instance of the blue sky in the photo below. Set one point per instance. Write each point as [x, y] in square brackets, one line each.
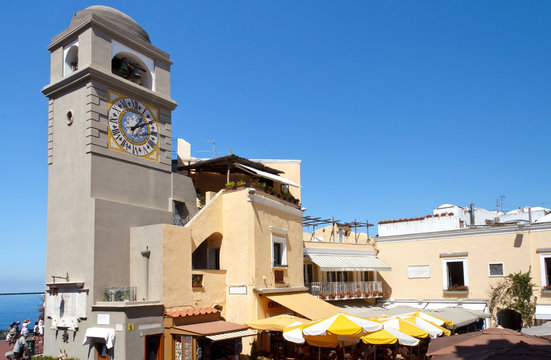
[394, 107]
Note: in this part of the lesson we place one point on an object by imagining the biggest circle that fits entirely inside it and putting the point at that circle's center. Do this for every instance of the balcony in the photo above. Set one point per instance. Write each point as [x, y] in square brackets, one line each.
[117, 294]
[347, 290]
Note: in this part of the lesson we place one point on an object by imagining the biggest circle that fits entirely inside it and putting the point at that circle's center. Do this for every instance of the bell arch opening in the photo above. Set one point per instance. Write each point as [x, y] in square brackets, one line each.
[131, 67]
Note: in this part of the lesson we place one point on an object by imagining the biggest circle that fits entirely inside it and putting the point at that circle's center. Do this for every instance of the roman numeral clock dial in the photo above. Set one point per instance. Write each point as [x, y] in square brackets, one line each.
[133, 127]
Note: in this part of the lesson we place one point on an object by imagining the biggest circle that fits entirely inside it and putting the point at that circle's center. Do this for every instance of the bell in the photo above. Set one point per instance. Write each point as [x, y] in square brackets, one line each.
[136, 75]
[124, 67]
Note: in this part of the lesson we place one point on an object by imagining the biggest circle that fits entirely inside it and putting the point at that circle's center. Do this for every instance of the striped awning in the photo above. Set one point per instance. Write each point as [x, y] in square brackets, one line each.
[232, 335]
[346, 262]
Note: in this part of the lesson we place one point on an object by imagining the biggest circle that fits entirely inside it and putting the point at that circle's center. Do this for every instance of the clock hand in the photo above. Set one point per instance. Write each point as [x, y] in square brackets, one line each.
[140, 124]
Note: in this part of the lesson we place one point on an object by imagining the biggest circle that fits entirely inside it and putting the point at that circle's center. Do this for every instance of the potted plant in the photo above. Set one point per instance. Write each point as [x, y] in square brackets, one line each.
[240, 184]
[230, 185]
[197, 280]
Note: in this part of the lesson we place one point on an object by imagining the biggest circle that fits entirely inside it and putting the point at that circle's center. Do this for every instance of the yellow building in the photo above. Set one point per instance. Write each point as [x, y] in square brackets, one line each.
[458, 267]
[340, 263]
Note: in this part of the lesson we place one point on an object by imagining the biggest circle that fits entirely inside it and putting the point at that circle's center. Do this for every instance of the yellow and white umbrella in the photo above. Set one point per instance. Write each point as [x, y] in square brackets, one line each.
[341, 324]
[405, 327]
[434, 330]
[388, 336]
[338, 329]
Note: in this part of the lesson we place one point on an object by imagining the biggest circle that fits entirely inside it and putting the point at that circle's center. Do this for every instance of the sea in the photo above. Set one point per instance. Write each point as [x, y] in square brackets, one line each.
[18, 308]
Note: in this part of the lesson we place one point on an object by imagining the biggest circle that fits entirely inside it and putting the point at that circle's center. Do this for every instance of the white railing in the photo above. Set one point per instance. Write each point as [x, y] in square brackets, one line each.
[347, 290]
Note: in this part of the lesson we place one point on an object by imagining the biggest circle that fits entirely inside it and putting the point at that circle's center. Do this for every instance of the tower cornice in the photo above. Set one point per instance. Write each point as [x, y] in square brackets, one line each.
[92, 73]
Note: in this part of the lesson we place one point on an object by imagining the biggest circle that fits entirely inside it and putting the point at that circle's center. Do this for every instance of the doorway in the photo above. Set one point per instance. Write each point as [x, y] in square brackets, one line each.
[154, 347]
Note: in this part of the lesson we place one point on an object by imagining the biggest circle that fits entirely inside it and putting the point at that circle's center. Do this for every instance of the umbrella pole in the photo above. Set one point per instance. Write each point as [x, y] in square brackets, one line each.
[319, 353]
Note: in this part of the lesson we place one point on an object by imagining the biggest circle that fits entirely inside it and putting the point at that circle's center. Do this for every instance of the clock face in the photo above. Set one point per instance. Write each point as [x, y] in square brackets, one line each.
[133, 127]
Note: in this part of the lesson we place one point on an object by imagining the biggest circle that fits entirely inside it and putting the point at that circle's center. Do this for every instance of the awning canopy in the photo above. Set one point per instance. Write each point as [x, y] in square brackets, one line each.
[106, 334]
[346, 262]
[307, 305]
[275, 323]
[232, 335]
[266, 175]
[214, 330]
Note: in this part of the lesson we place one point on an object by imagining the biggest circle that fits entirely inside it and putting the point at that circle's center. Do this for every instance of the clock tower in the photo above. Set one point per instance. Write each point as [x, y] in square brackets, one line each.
[109, 156]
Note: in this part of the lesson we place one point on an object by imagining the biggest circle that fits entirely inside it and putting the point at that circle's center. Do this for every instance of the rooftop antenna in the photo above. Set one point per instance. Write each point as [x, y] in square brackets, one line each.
[213, 151]
[499, 203]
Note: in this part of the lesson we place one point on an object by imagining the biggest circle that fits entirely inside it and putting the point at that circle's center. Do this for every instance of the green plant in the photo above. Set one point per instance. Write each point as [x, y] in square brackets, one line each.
[241, 183]
[516, 292]
[230, 184]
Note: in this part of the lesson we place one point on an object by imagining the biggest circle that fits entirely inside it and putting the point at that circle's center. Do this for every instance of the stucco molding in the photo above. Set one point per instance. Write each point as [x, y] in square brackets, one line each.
[327, 251]
[457, 254]
[543, 250]
[89, 73]
[449, 234]
[267, 291]
[259, 199]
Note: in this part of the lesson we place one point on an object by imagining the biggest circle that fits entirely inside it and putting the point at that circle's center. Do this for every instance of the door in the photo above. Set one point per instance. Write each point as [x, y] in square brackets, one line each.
[102, 351]
[154, 347]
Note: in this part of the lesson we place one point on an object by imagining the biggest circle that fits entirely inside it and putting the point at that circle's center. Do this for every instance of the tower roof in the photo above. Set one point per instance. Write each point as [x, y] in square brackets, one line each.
[114, 16]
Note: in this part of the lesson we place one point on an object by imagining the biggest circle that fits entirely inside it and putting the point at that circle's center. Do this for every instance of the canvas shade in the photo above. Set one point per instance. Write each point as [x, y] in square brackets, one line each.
[275, 323]
[434, 319]
[389, 336]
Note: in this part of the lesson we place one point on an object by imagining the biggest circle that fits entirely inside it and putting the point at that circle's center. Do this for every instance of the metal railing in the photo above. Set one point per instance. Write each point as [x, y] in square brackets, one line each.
[347, 290]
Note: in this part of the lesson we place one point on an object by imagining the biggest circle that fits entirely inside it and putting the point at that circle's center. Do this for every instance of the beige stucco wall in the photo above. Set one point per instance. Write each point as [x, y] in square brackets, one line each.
[245, 227]
[513, 247]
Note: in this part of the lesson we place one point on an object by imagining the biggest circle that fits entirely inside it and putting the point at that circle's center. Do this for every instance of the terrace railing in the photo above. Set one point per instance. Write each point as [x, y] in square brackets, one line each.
[347, 290]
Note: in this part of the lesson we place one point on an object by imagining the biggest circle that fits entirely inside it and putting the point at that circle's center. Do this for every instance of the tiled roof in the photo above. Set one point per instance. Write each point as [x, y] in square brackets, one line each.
[190, 312]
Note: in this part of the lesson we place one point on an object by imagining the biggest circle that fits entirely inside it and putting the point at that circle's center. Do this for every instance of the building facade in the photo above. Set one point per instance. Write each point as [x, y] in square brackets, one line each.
[458, 267]
[150, 257]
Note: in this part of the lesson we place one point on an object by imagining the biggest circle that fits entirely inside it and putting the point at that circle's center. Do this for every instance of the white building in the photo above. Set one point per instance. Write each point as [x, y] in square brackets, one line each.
[453, 217]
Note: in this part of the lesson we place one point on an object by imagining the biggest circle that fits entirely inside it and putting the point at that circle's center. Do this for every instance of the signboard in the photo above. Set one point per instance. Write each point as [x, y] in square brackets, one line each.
[418, 271]
[237, 290]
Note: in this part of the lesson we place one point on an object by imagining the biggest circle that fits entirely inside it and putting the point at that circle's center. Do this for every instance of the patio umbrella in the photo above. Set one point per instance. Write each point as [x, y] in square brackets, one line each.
[338, 329]
[434, 330]
[293, 333]
[389, 336]
[483, 344]
[276, 323]
[341, 324]
[405, 327]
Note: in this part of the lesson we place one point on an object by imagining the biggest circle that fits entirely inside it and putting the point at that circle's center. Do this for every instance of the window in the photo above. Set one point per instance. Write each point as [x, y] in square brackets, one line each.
[495, 269]
[180, 213]
[213, 258]
[455, 274]
[279, 251]
[340, 234]
[545, 267]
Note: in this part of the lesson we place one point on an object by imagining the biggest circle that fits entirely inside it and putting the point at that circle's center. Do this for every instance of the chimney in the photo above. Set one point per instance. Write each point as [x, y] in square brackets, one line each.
[472, 213]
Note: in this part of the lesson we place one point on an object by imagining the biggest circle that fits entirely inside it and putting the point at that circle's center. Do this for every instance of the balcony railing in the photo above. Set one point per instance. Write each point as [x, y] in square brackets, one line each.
[347, 290]
[123, 293]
